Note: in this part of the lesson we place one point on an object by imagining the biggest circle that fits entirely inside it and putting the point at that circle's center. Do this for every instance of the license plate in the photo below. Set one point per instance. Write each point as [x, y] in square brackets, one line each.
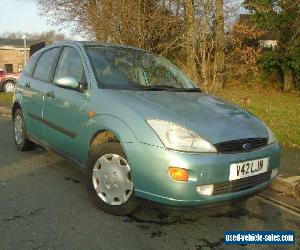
[248, 168]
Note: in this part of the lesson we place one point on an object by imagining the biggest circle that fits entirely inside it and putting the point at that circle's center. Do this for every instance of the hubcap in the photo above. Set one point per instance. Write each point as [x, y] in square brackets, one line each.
[112, 179]
[9, 87]
[18, 129]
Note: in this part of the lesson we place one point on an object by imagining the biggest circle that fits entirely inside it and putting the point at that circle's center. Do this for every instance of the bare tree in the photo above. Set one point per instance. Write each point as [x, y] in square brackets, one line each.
[205, 52]
[189, 32]
[143, 23]
[190, 39]
[220, 44]
[49, 36]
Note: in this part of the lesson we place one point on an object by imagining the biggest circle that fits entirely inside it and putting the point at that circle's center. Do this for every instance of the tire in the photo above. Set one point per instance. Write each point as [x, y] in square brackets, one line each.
[108, 179]
[9, 86]
[21, 142]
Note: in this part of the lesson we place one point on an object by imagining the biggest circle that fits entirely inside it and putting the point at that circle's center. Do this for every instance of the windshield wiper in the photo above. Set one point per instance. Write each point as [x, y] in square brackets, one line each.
[170, 88]
[187, 90]
[158, 87]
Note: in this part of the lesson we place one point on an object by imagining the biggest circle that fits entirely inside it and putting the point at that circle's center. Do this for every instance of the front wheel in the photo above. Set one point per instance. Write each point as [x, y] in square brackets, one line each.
[22, 143]
[108, 179]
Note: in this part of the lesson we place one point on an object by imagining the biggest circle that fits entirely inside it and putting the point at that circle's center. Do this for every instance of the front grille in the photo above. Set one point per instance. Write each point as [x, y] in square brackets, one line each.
[241, 184]
[243, 145]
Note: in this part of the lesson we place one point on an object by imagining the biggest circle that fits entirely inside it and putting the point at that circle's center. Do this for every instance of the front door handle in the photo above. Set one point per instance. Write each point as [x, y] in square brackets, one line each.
[50, 94]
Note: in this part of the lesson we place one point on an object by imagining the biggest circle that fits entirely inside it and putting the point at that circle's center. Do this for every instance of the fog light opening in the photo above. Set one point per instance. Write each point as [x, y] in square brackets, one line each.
[274, 172]
[205, 189]
[179, 174]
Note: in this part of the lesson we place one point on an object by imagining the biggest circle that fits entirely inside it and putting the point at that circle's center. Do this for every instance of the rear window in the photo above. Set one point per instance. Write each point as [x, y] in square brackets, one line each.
[45, 65]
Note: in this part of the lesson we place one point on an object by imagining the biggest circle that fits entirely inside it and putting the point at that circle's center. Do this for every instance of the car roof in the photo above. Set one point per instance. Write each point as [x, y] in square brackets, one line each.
[83, 44]
[93, 43]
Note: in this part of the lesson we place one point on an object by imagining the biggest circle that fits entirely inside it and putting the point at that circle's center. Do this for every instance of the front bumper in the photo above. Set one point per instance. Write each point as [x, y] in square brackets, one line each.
[149, 169]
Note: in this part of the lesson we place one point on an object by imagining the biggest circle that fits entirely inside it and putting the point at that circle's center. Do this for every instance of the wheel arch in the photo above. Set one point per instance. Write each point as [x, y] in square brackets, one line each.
[102, 136]
[112, 129]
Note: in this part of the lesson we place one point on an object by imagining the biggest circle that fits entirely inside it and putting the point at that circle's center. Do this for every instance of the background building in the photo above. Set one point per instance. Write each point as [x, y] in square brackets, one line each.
[12, 58]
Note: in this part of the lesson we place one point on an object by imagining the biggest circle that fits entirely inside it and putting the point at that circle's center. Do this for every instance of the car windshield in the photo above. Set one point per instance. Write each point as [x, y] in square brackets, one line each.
[127, 68]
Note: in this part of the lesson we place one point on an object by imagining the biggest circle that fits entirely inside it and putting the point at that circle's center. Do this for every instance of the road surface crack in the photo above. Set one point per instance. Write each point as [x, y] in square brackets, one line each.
[33, 213]
[211, 245]
[162, 222]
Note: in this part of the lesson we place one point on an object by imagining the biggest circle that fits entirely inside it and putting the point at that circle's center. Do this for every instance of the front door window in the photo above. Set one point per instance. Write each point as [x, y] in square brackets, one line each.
[70, 65]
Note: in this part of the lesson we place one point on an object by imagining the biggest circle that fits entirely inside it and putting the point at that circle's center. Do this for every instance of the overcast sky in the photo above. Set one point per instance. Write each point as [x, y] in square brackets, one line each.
[22, 15]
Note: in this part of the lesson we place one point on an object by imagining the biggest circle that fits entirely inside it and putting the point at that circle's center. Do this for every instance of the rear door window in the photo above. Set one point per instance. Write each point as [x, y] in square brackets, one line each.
[45, 65]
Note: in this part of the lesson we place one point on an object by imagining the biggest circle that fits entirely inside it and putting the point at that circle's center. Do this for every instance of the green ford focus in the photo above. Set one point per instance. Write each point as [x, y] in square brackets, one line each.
[140, 129]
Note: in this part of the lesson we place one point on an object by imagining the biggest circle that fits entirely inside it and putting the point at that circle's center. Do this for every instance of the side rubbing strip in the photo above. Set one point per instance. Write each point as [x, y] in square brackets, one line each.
[52, 125]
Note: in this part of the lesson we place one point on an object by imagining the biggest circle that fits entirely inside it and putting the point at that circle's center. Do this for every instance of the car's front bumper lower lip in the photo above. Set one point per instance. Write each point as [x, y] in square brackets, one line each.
[151, 179]
[204, 200]
[187, 205]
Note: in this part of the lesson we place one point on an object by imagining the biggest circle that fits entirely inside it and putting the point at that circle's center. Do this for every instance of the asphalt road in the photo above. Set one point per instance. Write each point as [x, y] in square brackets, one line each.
[44, 205]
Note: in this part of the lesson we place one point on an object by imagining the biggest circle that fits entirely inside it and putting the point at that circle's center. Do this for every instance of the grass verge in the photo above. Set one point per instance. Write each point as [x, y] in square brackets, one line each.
[281, 111]
[6, 97]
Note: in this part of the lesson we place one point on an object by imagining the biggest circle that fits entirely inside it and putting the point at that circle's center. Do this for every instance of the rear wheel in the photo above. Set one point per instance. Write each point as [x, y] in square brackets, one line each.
[9, 86]
[22, 143]
[108, 179]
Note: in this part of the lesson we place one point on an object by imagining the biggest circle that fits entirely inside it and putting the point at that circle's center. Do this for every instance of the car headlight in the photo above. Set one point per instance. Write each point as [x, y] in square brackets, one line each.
[272, 137]
[178, 138]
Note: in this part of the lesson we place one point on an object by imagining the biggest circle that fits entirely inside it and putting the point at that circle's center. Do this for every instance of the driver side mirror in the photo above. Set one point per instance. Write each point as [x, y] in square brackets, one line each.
[70, 82]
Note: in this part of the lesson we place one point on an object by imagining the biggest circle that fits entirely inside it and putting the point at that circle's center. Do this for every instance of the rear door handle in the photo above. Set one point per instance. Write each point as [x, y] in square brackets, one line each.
[27, 85]
[50, 94]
